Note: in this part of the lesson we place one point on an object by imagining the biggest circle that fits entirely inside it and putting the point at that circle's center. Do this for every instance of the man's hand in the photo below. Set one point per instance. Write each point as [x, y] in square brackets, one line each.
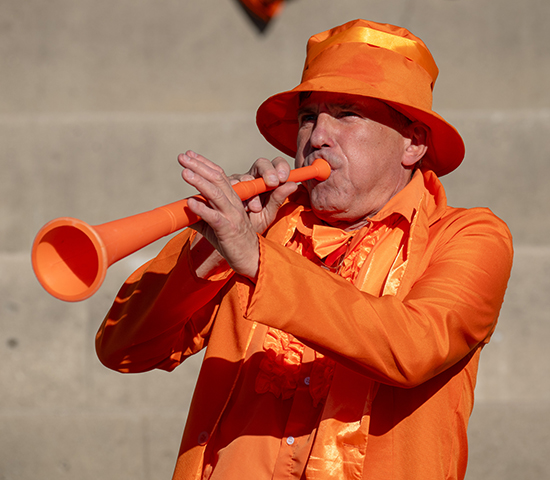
[230, 225]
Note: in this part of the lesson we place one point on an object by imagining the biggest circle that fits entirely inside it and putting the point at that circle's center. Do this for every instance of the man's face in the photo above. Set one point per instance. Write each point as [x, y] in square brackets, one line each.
[359, 138]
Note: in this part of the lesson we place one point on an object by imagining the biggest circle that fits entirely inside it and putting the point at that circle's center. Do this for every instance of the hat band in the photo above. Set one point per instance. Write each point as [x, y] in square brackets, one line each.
[403, 46]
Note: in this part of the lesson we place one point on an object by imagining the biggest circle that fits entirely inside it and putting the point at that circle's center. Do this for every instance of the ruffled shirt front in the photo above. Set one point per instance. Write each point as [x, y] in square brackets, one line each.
[284, 371]
[281, 366]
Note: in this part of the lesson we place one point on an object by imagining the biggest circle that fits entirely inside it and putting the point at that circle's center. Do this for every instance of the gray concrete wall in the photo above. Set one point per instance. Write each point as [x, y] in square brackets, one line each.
[97, 98]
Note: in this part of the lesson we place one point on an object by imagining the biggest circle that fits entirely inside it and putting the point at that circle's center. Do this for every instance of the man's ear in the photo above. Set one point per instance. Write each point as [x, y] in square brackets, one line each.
[416, 143]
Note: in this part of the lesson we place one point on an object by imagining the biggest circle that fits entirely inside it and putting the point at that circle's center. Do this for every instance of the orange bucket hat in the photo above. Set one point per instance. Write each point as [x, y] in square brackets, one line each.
[372, 60]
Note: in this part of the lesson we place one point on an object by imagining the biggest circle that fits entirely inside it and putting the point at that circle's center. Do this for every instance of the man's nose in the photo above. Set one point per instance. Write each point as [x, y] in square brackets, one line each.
[323, 130]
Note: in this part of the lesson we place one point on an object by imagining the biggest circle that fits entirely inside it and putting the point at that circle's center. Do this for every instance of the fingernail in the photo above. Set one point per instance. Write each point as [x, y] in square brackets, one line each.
[282, 175]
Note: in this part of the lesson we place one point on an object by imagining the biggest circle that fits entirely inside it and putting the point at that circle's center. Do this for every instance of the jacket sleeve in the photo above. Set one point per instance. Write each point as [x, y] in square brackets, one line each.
[162, 314]
[451, 309]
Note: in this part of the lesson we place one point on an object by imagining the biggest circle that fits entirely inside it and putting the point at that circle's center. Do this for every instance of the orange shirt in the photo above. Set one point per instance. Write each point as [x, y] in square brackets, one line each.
[281, 389]
[404, 330]
[285, 414]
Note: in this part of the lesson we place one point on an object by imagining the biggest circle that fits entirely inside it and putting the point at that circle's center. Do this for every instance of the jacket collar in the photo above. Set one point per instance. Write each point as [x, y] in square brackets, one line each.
[406, 202]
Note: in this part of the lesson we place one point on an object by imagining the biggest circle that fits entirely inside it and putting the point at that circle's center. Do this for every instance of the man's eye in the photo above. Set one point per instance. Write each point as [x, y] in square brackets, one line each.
[306, 118]
[349, 114]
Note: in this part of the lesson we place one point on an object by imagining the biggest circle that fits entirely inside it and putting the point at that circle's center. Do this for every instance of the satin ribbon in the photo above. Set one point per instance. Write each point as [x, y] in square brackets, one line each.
[403, 46]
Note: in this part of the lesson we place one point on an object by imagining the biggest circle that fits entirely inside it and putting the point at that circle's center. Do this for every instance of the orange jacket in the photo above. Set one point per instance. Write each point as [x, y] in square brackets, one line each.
[406, 335]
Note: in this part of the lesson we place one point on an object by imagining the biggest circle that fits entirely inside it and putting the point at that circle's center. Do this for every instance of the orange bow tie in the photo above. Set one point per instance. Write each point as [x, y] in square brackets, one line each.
[328, 240]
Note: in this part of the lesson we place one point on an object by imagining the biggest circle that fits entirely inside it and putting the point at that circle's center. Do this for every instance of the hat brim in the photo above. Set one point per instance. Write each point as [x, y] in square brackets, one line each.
[277, 120]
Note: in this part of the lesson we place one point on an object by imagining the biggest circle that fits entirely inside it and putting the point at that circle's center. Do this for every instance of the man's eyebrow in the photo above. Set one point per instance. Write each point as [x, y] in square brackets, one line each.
[305, 108]
[309, 107]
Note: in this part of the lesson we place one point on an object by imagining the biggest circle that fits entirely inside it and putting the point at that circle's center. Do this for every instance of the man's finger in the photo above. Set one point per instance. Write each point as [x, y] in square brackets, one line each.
[282, 168]
[263, 168]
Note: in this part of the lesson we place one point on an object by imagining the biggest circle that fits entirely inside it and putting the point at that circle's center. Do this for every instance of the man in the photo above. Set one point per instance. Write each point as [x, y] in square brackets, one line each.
[343, 325]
